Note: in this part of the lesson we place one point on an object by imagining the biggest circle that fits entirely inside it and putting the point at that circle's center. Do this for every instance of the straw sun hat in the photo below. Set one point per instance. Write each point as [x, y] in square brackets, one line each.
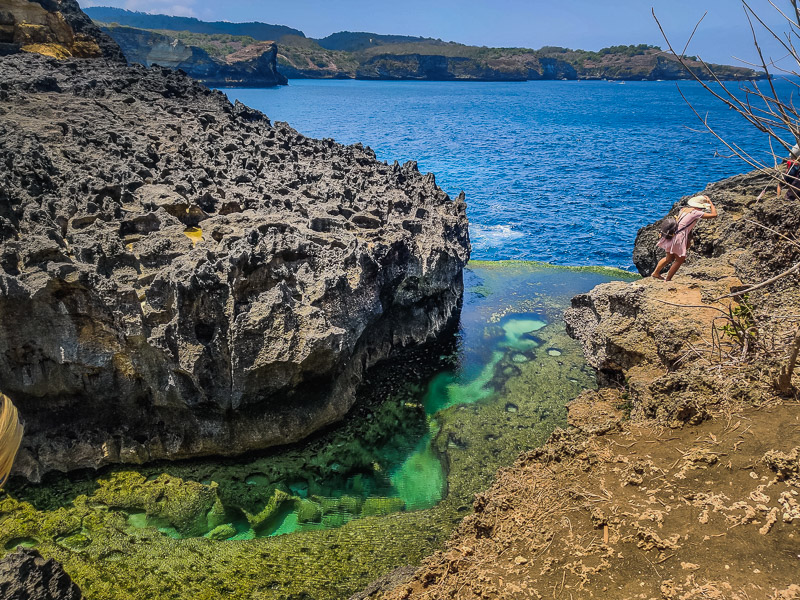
[699, 202]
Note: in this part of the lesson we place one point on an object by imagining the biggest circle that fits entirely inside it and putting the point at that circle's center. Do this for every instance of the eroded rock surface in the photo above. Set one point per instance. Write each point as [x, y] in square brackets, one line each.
[741, 233]
[180, 277]
[25, 575]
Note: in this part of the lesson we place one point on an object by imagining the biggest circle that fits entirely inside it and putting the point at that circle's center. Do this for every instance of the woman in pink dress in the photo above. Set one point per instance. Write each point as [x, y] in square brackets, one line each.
[677, 246]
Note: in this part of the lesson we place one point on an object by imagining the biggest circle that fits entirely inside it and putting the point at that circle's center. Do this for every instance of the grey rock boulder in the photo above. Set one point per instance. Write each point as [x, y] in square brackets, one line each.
[25, 575]
[180, 277]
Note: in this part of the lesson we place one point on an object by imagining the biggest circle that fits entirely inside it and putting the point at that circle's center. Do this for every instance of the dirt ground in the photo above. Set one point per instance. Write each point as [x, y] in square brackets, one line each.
[706, 511]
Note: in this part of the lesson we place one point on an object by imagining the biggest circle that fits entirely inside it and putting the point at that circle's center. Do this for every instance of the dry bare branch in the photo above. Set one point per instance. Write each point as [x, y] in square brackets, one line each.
[794, 269]
[784, 382]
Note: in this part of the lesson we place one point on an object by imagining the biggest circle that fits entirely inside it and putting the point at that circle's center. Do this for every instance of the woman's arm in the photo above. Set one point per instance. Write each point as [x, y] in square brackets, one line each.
[713, 213]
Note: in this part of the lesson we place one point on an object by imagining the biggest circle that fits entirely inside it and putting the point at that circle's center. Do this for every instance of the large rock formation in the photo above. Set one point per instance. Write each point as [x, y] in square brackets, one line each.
[180, 277]
[654, 337]
[53, 27]
[254, 66]
[25, 575]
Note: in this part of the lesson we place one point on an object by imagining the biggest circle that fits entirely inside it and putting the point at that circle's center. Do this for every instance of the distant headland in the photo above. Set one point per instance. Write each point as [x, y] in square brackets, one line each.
[193, 45]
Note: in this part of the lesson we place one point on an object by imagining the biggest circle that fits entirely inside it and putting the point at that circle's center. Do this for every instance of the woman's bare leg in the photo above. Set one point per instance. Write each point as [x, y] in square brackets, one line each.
[675, 266]
[661, 264]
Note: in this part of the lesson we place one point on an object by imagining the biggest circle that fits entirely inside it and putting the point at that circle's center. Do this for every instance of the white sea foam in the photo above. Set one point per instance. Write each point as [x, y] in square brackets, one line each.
[491, 236]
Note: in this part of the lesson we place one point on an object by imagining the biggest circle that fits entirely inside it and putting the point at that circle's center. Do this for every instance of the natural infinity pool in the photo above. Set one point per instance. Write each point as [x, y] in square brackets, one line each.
[323, 518]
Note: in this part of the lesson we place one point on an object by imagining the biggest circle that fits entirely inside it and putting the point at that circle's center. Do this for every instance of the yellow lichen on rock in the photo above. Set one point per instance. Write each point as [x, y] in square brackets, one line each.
[123, 365]
[194, 233]
[53, 50]
[85, 47]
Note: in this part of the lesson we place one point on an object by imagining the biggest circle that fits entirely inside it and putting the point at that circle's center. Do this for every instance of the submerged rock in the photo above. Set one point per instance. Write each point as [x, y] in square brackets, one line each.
[189, 507]
[24, 574]
[122, 340]
[382, 506]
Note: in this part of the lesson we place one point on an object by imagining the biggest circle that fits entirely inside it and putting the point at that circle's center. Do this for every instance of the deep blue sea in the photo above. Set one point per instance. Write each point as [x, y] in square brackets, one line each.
[558, 171]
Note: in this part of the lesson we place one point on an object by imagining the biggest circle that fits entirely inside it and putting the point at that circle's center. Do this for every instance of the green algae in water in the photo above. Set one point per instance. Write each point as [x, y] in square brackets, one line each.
[449, 389]
[381, 496]
[421, 480]
[24, 542]
[519, 333]
[257, 479]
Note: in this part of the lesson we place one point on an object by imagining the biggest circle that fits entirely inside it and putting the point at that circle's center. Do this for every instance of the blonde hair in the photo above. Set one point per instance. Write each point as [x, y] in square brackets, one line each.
[10, 436]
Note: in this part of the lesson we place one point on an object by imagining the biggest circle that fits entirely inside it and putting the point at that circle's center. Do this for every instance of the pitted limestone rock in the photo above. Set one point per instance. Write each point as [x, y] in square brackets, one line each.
[180, 277]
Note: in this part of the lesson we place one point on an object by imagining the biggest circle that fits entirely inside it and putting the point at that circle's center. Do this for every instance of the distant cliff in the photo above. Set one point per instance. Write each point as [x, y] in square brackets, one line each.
[449, 61]
[253, 66]
[445, 68]
[364, 55]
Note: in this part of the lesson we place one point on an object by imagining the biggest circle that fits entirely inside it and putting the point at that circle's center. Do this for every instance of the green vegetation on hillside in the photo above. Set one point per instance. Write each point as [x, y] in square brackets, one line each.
[216, 44]
[140, 20]
[350, 41]
[372, 56]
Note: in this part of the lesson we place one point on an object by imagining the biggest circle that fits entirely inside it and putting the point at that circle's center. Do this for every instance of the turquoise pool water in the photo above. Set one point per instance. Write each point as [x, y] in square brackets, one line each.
[323, 518]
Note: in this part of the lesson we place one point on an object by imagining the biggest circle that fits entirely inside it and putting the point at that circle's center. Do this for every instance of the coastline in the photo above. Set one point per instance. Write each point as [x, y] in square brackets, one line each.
[210, 283]
[475, 428]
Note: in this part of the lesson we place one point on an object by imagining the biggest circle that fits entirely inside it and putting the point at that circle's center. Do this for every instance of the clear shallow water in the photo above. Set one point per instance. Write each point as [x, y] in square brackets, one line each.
[557, 171]
[380, 491]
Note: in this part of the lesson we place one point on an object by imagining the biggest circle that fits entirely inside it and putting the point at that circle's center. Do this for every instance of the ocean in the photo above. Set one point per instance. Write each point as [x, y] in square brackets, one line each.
[563, 172]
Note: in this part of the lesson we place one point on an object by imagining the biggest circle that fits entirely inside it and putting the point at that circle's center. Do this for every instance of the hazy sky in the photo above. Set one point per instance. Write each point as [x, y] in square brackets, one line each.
[587, 24]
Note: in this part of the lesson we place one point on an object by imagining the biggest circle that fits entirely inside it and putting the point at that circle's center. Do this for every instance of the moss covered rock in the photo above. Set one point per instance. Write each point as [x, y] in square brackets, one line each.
[309, 511]
[184, 505]
[382, 506]
[269, 515]
[223, 532]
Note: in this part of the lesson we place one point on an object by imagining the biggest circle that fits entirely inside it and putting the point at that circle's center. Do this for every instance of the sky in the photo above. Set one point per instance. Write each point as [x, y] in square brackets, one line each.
[723, 37]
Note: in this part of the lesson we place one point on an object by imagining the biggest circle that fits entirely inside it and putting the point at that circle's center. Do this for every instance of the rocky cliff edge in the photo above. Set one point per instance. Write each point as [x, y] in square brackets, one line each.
[253, 66]
[181, 277]
[659, 339]
[57, 28]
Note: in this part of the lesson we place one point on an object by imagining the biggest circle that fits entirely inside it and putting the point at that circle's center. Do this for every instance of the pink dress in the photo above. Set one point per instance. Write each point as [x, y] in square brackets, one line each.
[677, 245]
